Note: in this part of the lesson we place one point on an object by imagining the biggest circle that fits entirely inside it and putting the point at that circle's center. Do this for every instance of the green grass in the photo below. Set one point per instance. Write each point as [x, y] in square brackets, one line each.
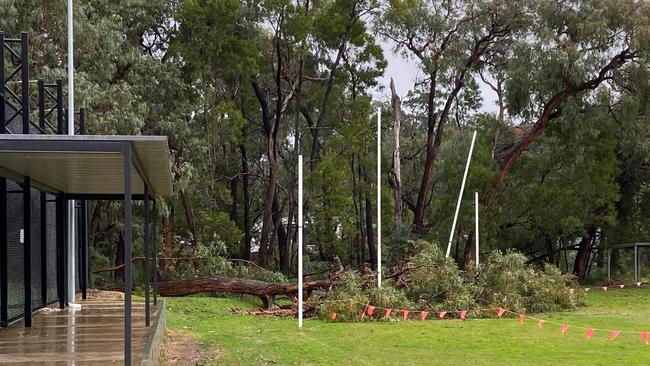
[247, 340]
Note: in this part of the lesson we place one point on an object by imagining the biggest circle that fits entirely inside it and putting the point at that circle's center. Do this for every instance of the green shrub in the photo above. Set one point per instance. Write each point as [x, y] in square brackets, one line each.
[506, 280]
[347, 299]
[434, 283]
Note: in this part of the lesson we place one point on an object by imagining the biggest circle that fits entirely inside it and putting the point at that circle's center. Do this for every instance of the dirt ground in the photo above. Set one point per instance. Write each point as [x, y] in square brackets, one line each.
[182, 350]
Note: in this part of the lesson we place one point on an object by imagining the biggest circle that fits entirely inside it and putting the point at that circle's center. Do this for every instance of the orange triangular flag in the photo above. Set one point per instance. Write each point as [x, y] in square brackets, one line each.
[388, 313]
[370, 310]
[604, 288]
[333, 316]
[405, 314]
[644, 337]
[589, 332]
[520, 318]
[565, 328]
[462, 314]
[423, 314]
[614, 334]
[540, 322]
[442, 314]
[500, 312]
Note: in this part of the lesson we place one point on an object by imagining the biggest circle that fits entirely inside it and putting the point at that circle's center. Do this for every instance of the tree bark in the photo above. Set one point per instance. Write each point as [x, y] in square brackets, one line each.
[396, 176]
[189, 217]
[265, 290]
[372, 252]
[269, 127]
[582, 256]
[246, 252]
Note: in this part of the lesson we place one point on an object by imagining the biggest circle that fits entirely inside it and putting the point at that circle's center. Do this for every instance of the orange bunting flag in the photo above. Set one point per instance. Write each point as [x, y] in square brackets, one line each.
[388, 313]
[500, 312]
[571, 290]
[520, 318]
[621, 286]
[605, 288]
[614, 334]
[370, 310]
[638, 284]
[423, 314]
[442, 314]
[405, 314]
[587, 289]
[589, 332]
[565, 328]
[333, 316]
[540, 322]
[644, 337]
[462, 314]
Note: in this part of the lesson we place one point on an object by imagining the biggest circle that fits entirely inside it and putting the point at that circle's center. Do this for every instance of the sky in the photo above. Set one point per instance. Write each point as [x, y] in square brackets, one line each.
[404, 73]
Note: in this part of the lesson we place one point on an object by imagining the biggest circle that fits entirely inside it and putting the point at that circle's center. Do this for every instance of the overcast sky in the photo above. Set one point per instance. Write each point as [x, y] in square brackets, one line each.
[404, 73]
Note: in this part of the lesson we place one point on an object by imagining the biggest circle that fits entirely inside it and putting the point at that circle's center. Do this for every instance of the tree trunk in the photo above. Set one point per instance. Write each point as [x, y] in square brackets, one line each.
[370, 235]
[283, 247]
[396, 176]
[119, 257]
[168, 248]
[582, 256]
[246, 253]
[189, 217]
[265, 290]
[269, 132]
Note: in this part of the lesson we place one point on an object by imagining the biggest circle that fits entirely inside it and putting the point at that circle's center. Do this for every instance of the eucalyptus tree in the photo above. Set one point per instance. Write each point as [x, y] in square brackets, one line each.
[450, 40]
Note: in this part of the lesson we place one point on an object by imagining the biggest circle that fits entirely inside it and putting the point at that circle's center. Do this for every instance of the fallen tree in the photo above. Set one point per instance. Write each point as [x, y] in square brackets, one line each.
[267, 291]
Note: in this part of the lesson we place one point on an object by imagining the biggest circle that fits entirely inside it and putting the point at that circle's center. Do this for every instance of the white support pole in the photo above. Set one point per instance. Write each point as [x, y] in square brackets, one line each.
[72, 225]
[460, 195]
[476, 227]
[299, 241]
[379, 197]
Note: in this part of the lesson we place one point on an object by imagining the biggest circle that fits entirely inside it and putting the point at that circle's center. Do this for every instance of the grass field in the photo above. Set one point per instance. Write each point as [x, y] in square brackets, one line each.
[246, 340]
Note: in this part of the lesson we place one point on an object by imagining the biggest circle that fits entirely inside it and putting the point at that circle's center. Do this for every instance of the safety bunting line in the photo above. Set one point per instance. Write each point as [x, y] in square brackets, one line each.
[500, 312]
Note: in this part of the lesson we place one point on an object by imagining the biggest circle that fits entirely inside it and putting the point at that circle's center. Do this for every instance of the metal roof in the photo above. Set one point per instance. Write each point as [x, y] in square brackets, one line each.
[87, 164]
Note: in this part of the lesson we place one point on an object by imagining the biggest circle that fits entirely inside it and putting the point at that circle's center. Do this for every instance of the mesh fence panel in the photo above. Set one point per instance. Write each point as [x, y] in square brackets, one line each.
[15, 281]
[52, 293]
[37, 300]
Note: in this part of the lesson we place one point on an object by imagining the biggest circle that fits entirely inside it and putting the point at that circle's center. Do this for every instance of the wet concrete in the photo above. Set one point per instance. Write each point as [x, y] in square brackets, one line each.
[93, 335]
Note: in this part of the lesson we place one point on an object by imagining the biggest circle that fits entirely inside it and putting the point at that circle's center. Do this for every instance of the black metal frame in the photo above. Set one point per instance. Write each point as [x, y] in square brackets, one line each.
[50, 99]
[124, 148]
[22, 102]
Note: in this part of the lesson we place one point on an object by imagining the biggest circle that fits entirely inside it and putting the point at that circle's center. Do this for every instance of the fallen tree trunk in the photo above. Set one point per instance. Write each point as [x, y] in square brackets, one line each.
[264, 290]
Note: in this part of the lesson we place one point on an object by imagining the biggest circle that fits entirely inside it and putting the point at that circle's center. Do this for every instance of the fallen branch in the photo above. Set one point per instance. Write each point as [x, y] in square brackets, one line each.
[264, 290]
[111, 269]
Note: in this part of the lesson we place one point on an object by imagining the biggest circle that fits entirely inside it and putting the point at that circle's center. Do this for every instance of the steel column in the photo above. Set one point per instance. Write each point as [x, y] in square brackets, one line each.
[59, 107]
[2, 83]
[83, 250]
[60, 289]
[147, 255]
[155, 254]
[24, 71]
[4, 290]
[27, 250]
[43, 248]
[127, 253]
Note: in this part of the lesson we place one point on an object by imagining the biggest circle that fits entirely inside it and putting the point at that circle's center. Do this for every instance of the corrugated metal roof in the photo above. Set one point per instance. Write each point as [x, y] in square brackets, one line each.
[92, 172]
